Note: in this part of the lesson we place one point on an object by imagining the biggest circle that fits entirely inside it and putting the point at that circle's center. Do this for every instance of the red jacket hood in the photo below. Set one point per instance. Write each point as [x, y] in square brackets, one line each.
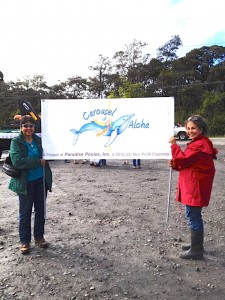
[203, 144]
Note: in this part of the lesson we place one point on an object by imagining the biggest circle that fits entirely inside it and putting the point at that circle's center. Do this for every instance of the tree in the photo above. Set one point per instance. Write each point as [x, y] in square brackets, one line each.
[130, 58]
[200, 61]
[129, 90]
[167, 52]
[58, 91]
[76, 87]
[98, 85]
[8, 102]
[213, 108]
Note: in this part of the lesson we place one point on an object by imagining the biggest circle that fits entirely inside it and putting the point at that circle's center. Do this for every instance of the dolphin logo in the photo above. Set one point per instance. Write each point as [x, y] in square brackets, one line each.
[109, 128]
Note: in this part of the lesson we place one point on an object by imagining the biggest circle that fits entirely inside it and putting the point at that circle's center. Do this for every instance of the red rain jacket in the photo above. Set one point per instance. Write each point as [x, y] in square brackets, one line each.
[197, 171]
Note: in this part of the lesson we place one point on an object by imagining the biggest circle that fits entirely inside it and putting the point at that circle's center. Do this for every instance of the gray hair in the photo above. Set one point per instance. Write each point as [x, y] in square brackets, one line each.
[199, 121]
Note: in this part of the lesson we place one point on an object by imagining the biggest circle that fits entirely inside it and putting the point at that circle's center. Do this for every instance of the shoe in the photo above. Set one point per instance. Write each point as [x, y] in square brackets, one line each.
[186, 247]
[41, 243]
[66, 161]
[196, 250]
[134, 167]
[25, 248]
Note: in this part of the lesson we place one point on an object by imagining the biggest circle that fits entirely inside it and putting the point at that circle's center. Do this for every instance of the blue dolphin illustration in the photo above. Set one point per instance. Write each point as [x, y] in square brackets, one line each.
[112, 129]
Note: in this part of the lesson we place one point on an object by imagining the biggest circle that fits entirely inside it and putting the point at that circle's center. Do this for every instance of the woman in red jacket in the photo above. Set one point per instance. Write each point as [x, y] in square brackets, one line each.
[197, 171]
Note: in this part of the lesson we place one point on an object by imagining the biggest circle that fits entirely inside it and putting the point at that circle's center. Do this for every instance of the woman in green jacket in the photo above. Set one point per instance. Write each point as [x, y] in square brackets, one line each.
[26, 155]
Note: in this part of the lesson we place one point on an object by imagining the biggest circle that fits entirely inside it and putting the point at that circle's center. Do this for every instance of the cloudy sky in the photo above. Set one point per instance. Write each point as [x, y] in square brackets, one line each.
[62, 38]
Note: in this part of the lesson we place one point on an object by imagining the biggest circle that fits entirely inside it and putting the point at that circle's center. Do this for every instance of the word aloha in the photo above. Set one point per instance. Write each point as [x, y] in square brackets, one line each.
[136, 124]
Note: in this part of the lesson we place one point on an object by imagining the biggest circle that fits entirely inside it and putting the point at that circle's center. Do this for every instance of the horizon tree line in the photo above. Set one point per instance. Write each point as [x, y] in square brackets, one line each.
[196, 81]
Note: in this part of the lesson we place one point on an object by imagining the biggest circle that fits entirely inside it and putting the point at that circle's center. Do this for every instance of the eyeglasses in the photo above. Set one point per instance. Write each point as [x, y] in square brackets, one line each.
[28, 125]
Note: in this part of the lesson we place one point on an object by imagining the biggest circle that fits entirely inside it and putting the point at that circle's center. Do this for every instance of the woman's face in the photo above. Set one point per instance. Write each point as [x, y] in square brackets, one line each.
[192, 130]
[27, 129]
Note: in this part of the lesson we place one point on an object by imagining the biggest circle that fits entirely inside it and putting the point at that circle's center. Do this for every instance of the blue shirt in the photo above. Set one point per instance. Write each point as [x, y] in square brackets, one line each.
[37, 173]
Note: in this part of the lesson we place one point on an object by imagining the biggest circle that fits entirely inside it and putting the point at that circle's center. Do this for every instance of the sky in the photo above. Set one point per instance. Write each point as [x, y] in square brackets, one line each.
[60, 39]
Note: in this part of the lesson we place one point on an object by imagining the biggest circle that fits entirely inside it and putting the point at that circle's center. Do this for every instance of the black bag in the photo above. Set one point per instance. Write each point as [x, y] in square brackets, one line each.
[9, 169]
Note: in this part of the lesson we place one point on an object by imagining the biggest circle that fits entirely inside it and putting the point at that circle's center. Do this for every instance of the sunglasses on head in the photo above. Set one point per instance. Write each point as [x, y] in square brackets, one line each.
[28, 125]
[195, 118]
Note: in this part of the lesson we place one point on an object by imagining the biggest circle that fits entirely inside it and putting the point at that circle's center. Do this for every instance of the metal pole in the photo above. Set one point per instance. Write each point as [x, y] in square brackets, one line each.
[168, 201]
[44, 191]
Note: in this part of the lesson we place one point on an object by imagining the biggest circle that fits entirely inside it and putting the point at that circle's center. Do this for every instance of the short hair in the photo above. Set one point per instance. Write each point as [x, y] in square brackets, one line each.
[199, 121]
[26, 119]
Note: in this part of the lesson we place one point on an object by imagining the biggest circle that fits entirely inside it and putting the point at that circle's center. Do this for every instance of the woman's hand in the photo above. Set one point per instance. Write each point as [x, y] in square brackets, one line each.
[172, 140]
[43, 162]
[171, 164]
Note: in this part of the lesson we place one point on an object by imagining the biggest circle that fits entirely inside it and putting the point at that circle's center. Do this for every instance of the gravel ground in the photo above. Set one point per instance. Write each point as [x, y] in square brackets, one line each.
[109, 238]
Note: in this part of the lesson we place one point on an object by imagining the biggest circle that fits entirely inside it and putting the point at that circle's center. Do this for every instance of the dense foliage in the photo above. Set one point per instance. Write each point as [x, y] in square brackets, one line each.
[196, 81]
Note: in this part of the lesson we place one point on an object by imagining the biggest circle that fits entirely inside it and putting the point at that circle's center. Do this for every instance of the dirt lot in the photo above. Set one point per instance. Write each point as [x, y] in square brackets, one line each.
[109, 238]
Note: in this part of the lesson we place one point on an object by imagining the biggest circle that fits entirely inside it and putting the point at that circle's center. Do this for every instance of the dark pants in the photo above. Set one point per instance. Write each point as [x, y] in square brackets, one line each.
[194, 215]
[35, 196]
[136, 162]
[103, 162]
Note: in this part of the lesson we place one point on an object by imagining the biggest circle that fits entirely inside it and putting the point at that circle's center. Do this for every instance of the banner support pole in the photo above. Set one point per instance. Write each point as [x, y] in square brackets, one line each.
[168, 199]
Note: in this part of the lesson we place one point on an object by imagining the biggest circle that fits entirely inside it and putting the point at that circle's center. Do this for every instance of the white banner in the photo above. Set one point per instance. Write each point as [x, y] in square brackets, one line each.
[107, 128]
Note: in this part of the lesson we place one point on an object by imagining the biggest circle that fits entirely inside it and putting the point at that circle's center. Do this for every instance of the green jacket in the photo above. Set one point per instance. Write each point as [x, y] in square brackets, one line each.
[20, 160]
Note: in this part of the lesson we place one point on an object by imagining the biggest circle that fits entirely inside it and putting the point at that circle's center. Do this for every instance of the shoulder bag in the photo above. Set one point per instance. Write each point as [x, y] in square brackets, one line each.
[9, 169]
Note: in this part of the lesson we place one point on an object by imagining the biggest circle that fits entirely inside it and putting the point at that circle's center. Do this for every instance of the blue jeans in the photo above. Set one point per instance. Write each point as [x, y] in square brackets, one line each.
[35, 196]
[194, 215]
[136, 162]
[103, 162]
